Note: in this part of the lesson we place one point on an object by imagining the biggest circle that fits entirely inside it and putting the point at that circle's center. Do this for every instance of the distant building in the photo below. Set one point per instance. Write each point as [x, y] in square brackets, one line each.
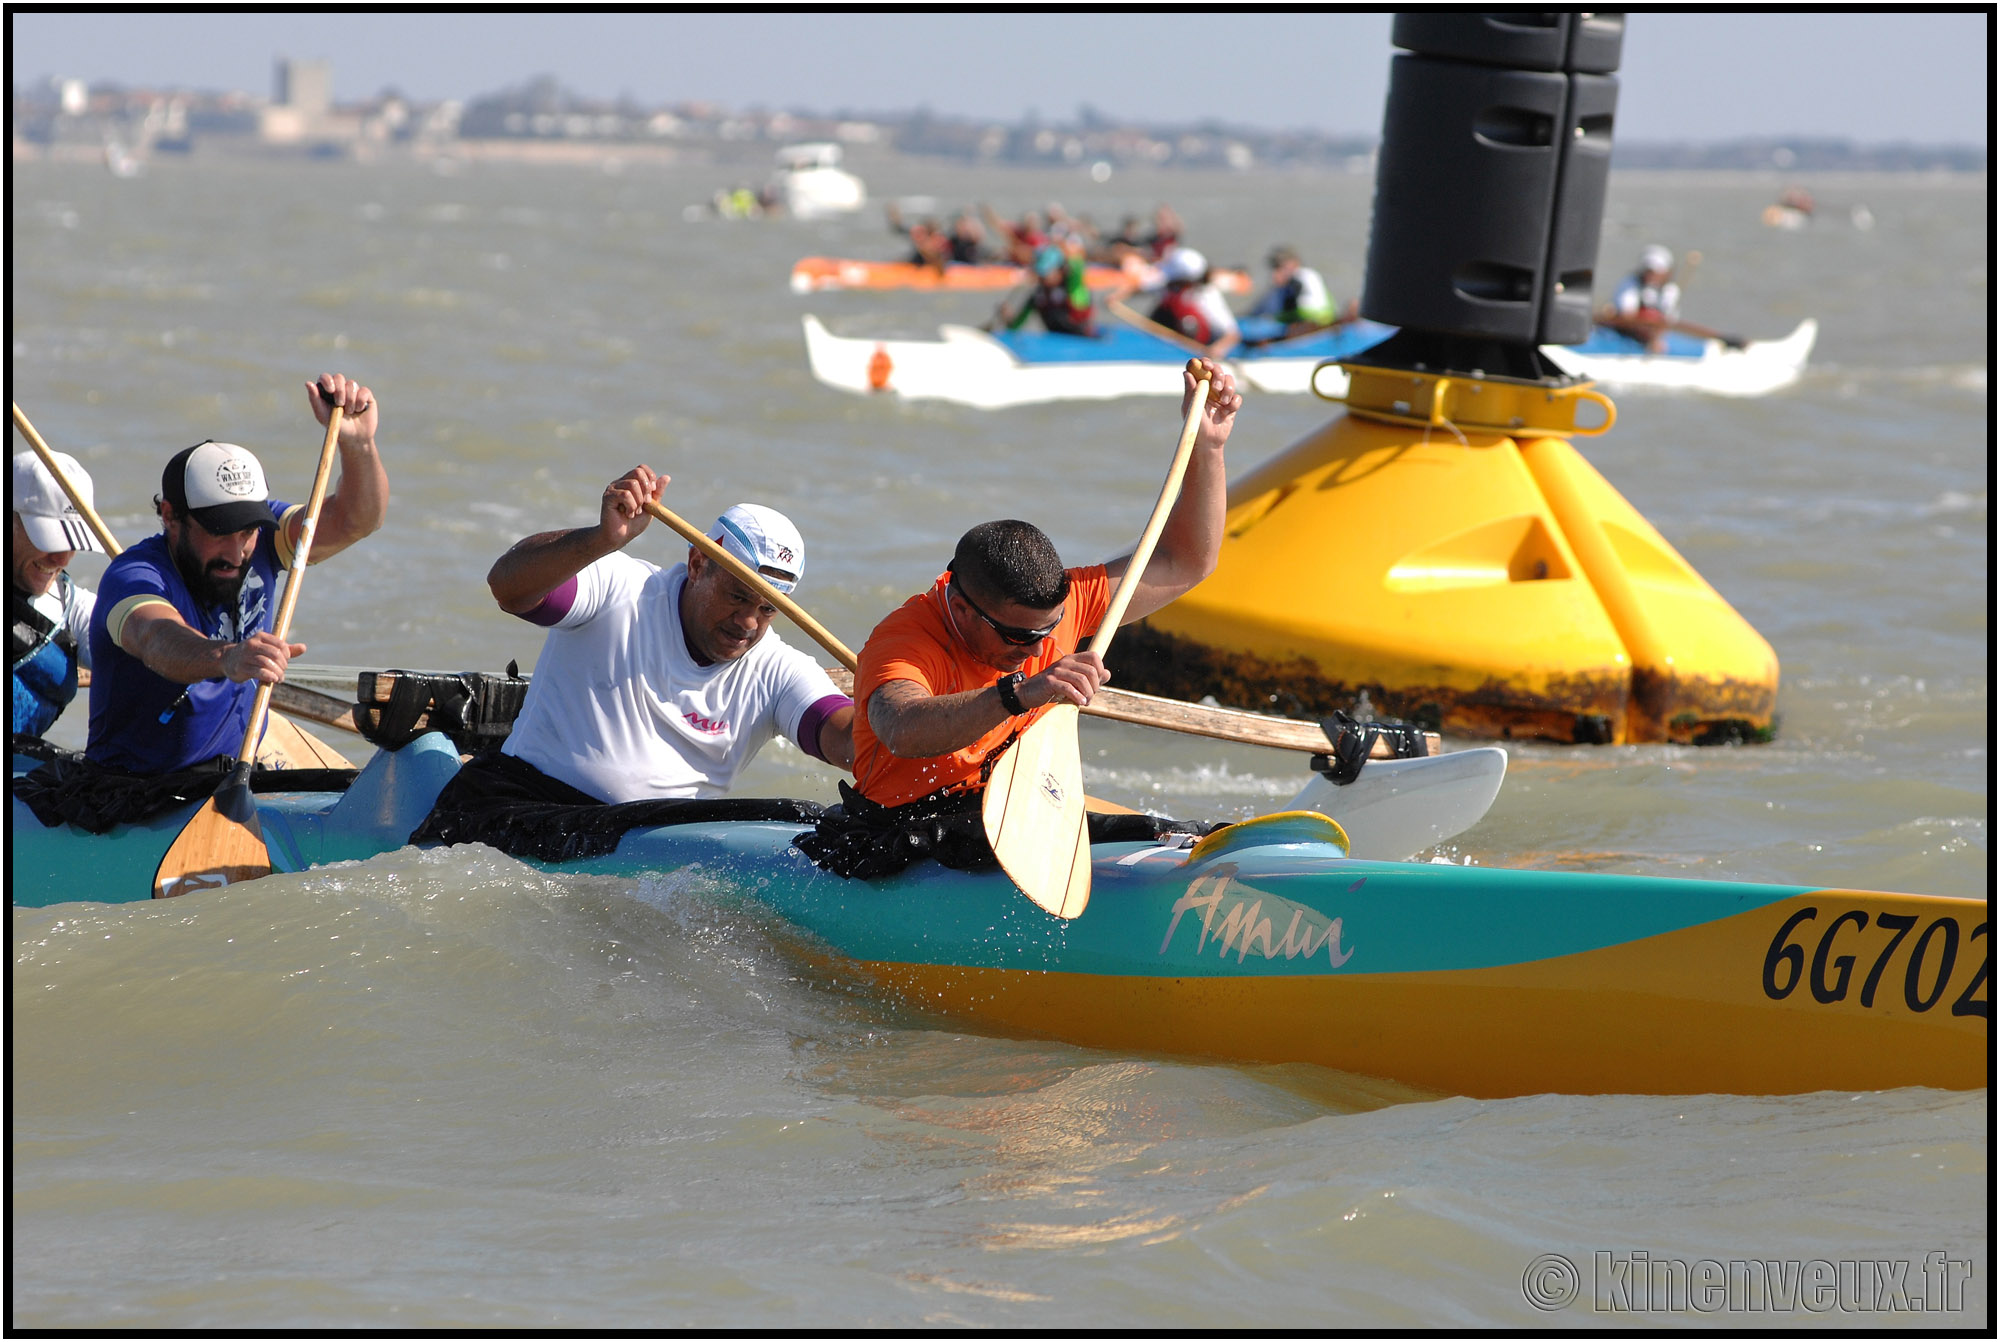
[302, 98]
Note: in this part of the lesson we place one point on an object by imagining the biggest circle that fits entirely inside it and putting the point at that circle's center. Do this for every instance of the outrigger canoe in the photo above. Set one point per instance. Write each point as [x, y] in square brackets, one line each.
[1268, 942]
[1689, 363]
[825, 274]
[990, 370]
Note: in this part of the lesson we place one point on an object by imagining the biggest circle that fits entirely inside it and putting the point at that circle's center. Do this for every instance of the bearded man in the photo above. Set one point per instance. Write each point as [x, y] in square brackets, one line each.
[180, 636]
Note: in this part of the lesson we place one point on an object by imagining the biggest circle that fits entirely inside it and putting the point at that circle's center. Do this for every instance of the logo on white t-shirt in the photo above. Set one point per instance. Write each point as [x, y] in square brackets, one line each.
[712, 726]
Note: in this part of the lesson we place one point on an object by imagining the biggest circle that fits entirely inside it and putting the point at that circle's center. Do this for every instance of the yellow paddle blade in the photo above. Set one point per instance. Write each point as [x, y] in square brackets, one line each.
[1034, 808]
[222, 845]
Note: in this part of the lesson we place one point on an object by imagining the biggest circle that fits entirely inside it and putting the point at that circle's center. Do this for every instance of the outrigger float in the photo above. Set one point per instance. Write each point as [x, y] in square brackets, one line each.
[1267, 942]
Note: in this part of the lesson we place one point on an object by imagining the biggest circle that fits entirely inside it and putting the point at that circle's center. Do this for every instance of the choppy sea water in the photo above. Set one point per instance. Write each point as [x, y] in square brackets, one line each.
[442, 1089]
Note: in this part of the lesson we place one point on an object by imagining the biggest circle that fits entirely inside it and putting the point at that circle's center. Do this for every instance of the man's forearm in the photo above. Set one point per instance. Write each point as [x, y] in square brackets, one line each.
[916, 725]
[536, 566]
[174, 651]
[358, 505]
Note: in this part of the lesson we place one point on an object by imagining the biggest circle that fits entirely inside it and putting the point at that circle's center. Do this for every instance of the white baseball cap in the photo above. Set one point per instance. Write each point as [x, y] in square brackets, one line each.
[765, 540]
[52, 522]
[1183, 263]
[1657, 258]
[221, 484]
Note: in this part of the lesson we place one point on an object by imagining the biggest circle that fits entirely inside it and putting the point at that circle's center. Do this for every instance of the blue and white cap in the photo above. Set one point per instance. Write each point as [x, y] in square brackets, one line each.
[765, 540]
[52, 522]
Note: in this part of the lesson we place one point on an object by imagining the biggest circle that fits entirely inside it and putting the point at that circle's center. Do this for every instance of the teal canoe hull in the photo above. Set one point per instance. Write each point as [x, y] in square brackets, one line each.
[1267, 943]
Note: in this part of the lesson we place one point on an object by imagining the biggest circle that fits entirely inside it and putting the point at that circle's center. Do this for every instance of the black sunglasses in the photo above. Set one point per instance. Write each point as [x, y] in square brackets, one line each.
[1020, 638]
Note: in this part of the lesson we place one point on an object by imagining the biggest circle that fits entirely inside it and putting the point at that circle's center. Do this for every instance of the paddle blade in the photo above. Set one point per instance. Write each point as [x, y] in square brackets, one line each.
[286, 746]
[1034, 809]
[221, 845]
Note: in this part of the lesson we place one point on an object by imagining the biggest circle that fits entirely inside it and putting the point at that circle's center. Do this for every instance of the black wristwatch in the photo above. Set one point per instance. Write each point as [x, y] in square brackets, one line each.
[1009, 687]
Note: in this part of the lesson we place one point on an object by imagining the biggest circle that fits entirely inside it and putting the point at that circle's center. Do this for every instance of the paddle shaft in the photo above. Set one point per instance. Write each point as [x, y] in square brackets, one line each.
[301, 556]
[1135, 568]
[757, 583]
[97, 527]
[1151, 327]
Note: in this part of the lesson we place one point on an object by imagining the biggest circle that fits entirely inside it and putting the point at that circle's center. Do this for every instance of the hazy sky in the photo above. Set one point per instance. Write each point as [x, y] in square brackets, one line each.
[1706, 76]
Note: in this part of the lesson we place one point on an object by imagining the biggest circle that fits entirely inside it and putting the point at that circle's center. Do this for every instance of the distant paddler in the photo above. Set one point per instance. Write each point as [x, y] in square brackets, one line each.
[1060, 297]
[655, 688]
[180, 637]
[1647, 305]
[1192, 305]
[1297, 303]
[953, 676]
[48, 612]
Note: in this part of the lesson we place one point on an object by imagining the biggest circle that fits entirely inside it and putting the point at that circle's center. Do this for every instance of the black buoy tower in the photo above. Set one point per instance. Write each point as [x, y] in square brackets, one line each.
[1441, 551]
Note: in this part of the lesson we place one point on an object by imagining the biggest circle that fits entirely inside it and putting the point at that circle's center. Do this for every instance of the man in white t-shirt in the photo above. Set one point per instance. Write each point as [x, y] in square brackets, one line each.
[662, 682]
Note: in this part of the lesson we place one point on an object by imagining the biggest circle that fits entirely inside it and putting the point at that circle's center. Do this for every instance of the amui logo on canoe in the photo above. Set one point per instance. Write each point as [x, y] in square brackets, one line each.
[1246, 925]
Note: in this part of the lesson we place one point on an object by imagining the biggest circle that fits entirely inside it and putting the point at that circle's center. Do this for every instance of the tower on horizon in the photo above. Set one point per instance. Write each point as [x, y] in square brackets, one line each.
[306, 86]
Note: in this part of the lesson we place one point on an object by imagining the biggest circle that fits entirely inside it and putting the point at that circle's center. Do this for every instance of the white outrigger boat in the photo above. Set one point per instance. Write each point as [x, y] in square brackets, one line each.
[990, 370]
[1689, 363]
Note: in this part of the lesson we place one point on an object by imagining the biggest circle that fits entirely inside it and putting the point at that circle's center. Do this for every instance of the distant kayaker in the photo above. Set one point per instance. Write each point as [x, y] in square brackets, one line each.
[1647, 305]
[1060, 297]
[929, 244]
[1166, 234]
[949, 679]
[967, 240]
[1298, 301]
[48, 612]
[180, 635]
[1020, 240]
[655, 685]
[1194, 307]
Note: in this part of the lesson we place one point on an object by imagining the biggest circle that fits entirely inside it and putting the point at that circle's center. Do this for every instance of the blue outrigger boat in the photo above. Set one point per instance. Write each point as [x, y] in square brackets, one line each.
[1266, 942]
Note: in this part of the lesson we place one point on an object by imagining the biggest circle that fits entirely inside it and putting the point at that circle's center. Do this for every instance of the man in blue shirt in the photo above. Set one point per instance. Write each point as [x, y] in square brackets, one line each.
[180, 637]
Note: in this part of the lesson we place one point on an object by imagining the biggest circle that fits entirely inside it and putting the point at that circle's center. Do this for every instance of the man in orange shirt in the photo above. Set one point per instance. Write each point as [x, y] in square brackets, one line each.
[949, 679]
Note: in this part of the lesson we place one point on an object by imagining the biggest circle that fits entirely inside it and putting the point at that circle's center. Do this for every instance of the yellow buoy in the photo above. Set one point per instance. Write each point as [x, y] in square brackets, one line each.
[1442, 549]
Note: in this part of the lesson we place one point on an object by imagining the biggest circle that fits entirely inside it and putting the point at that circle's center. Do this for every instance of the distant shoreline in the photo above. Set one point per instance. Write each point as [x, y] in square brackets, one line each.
[615, 155]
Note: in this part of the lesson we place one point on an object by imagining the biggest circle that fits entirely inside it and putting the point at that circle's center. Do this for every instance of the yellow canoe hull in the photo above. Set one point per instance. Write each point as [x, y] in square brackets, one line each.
[1720, 1007]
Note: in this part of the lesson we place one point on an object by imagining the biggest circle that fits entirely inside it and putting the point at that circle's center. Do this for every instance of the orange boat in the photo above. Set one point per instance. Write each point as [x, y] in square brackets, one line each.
[822, 274]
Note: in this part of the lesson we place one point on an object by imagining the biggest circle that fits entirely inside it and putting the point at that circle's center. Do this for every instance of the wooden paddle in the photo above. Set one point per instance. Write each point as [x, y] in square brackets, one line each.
[1034, 805]
[223, 844]
[1140, 322]
[1217, 724]
[96, 523]
[756, 582]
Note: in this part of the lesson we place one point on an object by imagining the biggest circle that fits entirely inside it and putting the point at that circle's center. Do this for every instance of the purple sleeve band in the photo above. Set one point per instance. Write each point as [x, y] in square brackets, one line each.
[815, 717]
[554, 606]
